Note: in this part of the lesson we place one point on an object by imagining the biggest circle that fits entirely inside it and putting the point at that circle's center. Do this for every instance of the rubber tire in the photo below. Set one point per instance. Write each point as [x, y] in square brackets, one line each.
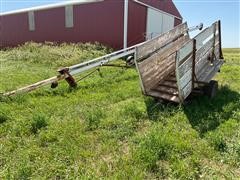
[211, 89]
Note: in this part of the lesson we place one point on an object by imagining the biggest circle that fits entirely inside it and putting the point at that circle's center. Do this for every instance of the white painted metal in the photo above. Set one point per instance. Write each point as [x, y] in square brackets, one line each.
[151, 7]
[187, 90]
[185, 50]
[200, 38]
[167, 23]
[69, 16]
[31, 21]
[180, 94]
[154, 23]
[184, 70]
[56, 5]
[204, 49]
[100, 61]
[187, 77]
[123, 52]
[125, 31]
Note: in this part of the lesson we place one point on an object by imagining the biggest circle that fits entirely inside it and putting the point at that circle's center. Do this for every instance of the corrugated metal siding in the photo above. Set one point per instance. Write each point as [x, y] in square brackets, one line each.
[164, 5]
[136, 23]
[50, 25]
[13, 29]
[177, 22]
[102, 22]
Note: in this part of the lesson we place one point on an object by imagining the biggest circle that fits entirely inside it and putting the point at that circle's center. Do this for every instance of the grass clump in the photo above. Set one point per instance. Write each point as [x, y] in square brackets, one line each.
[3, 118]
[168, 154]
[153, 148]
[55, 54]
[134, 110]
[39, 121]
[218, 142]
[93, 118]
[24, 172]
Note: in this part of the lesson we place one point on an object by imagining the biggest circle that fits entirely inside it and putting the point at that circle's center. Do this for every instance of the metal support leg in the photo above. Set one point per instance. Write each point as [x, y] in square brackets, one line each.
[70, 80]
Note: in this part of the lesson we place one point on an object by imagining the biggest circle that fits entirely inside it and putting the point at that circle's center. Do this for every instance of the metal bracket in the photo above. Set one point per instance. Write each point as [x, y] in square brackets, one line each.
[70, 80]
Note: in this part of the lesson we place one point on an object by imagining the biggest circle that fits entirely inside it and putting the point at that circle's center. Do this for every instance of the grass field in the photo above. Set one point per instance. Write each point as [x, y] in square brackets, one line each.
[106, 128]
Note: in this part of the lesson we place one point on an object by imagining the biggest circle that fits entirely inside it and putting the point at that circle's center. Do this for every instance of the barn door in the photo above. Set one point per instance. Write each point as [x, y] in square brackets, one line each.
[158, 23]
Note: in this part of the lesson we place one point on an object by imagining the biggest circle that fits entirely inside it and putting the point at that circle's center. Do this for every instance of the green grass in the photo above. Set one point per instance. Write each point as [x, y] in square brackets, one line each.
[106, 128]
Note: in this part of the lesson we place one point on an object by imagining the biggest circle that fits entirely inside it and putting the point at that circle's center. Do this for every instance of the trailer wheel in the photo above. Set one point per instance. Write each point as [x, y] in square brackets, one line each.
[211, 89]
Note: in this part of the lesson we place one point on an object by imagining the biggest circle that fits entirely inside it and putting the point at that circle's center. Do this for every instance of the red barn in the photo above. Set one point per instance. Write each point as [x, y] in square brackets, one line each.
[115, 23]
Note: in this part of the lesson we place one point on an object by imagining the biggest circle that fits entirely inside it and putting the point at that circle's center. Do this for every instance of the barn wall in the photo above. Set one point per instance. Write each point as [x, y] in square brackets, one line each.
[49, 26]
[13, 29]
[164, 5]
[136, 23]
[177, 22]
[102, 22]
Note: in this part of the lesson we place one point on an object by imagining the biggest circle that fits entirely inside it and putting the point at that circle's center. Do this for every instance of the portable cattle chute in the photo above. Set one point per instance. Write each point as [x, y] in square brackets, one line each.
[171, 66]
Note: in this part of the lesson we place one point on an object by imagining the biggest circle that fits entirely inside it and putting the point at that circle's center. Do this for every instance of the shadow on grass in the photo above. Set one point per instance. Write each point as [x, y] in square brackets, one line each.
[206, 114]
[158, 109]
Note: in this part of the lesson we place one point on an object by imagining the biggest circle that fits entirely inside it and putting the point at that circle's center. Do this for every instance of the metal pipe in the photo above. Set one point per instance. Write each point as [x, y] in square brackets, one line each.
[99, 62]
[125, 30]
[120, 53]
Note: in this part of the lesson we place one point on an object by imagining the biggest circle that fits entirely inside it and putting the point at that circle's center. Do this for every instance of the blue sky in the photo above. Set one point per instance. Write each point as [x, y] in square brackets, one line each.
[197, 11]
[193, 11]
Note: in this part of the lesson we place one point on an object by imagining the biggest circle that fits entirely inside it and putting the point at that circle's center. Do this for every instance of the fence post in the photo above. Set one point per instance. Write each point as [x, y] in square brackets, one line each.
[220, 40]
